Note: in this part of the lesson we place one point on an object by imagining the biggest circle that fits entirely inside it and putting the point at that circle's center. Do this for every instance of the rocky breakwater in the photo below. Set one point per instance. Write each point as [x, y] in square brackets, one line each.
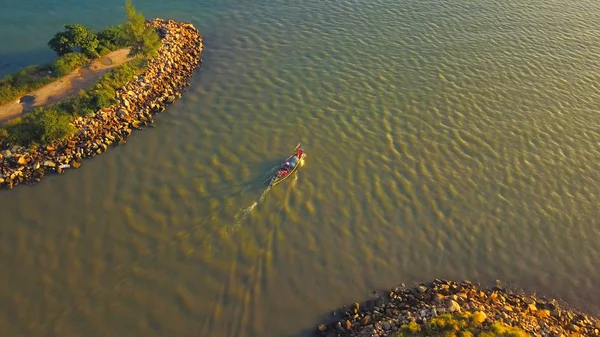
[405, 311]
[160, 84]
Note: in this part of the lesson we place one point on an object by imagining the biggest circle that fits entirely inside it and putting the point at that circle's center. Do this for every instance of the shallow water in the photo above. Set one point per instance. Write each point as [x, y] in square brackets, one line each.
[444, 140]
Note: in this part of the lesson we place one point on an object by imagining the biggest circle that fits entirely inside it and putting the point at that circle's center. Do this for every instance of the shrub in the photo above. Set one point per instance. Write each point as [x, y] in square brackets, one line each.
[112, 38]
[38, 127]
[460, 324]
[75, 35]
[68, 63]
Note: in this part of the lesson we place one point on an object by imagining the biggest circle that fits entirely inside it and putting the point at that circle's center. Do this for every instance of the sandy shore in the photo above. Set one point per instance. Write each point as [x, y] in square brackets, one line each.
[68, 85]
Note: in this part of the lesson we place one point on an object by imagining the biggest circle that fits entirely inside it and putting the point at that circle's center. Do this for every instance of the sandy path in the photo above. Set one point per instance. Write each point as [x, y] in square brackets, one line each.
[65, 86]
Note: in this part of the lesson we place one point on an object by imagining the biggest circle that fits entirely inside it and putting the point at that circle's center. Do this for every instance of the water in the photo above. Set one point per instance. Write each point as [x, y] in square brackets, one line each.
[444, 139]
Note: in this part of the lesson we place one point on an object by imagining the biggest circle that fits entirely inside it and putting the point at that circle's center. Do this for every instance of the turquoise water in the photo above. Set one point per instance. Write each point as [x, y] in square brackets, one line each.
[444, 140]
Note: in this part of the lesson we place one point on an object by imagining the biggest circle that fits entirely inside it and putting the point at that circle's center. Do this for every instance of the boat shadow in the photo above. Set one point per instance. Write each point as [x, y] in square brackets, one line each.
[262, 172]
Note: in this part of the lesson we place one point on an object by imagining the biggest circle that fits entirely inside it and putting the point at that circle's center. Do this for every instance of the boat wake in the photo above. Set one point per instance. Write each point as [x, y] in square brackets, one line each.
[243, 213]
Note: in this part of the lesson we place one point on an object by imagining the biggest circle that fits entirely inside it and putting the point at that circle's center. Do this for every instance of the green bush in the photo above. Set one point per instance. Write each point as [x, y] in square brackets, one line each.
[38, 127]
[68, 63]
[112, 38]
[459, 325]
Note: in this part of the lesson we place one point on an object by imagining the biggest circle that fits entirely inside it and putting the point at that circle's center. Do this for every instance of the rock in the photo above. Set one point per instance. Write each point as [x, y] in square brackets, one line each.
[170, 99]
[322, 327]
[7, 153]
[365, 320]
[479, 317]
[528, 300]
[453, 307]
[422, 289]
[542, 314]
[386, 326]
[22, 160]
[348, 325]
[49, 163]
[76, 164]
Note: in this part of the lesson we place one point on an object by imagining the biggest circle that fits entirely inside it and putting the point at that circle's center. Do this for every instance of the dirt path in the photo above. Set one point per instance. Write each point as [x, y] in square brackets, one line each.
[65, 86]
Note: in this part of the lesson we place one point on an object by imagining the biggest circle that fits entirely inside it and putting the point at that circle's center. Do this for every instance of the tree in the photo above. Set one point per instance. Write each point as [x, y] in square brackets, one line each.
[75, 35]
[112, 37]
[141, 38]
[61, 44]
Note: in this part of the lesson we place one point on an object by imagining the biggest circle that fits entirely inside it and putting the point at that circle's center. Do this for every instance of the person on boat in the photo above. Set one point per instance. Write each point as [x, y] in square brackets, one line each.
[299, 153]
[282, 173]
[286, 166]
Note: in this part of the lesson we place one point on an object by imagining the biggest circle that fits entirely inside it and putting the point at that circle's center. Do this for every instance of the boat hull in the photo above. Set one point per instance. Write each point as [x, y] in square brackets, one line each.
[277, 179]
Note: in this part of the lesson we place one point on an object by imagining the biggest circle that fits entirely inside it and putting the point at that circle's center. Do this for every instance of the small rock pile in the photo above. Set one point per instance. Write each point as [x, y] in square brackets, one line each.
[386, 314]
[161, 83]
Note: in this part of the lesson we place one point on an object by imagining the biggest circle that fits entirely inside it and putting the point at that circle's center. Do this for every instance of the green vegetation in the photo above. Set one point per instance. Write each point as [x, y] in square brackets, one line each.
[141, 39]
[102, 93]
[48, 124]
[75, 36]
[460, 325]
[45, 125]
[33, 77]
[38, 127]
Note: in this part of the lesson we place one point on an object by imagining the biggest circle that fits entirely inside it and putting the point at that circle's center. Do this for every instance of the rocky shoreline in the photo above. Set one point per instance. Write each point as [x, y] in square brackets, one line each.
[160, 84]
[391, 313]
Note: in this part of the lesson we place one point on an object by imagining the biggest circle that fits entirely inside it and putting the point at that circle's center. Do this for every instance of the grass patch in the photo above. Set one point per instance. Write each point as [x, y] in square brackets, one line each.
[465, 324]
[23, 81]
